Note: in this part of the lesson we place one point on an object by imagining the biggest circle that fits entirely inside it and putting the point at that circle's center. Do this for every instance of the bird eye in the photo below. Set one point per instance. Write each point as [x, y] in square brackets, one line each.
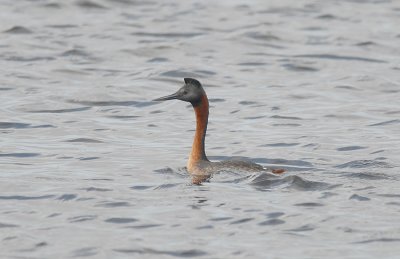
[185, 92]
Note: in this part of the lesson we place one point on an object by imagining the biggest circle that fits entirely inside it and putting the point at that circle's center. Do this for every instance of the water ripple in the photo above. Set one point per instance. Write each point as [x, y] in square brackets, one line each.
[299, 68]
[120, 220]
[113, 103]
[89, 4]
[13, 125]
[350, 148]
[18, 125]
[368, 176]
[62, 110]
[339, 57]
[378, 240]
[67, 197]
[365, 164]
[84, 140]
[24, 198]
[272, 222]
[18, 30]
[359, 198]
[390, 122]
[19, 155]
[267, 181]
[114, 204]
[82, 218]
[178, 253]
[5, 225]
[168, 35]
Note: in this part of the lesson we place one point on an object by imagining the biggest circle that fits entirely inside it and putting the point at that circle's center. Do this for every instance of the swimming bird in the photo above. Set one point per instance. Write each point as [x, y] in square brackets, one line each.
[198, 164]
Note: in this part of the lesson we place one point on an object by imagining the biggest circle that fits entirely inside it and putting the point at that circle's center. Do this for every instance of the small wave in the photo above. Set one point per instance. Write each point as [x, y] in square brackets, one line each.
[168, 35]
[254, 117]
[43, 126]
[337, 57]
[216, 100]
[241, 221]
[271, 222]
[377, 240]
[62, 26]
[19, 155]
[220, 218]
[390, 195]
[180, 172]
[252, 64]
[82, 218]
[365, 164]
[206, 72]
[96, 189]
[18, 30]
[99, 179]
[62, 110]
[157, 59]
[14, 125]
[144, 226]
[166, 186]
[70, 71]
[368, 176]
[314, 28]
[366, 43]
[391, 122]
[326, 17]
[205, 227]
[303, 228]
[262, 36]
[359, 198]
[89, 5]
[28, 59]
[268, 161]
[141, 187]
[88, 158]
[67, 197]
[299, 68]
[280, 145]
[123, 117]
[292, 164]
[286, 125]
[25, 198]
[84, 140]
[112, 103]
[84, 252]
[273, 215]
[113, 204]
[178, 253]
[18, 125]
[285, 117]
[348, 87]
[120, 220]
[75, 52]
[350, 148]
[180, 74]
[266, 181]
[5, 225]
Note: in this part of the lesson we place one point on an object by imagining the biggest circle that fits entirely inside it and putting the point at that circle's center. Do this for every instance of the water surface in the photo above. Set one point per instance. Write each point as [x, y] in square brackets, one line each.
[90, 167]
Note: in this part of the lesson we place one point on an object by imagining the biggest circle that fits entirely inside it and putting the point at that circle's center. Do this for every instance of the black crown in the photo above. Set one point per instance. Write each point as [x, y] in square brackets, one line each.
[192, 81]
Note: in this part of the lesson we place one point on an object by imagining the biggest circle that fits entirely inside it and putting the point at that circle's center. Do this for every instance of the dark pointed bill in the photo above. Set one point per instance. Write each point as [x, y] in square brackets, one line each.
[168, 97]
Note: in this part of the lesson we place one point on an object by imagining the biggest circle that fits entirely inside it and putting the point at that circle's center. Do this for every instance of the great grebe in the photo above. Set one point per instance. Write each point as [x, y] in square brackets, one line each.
[198, 164]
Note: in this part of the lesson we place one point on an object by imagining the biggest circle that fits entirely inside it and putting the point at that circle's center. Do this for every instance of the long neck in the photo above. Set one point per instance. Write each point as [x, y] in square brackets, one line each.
[198, 153]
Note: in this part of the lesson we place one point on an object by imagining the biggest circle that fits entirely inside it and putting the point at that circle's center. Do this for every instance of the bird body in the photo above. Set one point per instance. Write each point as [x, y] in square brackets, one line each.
[198, 164]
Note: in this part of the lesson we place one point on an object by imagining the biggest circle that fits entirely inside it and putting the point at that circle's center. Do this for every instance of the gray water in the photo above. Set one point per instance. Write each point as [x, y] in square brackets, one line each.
[90, 167]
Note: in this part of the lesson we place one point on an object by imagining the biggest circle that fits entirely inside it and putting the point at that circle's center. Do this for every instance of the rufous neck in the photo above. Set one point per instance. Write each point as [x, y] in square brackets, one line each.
[198, 149]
